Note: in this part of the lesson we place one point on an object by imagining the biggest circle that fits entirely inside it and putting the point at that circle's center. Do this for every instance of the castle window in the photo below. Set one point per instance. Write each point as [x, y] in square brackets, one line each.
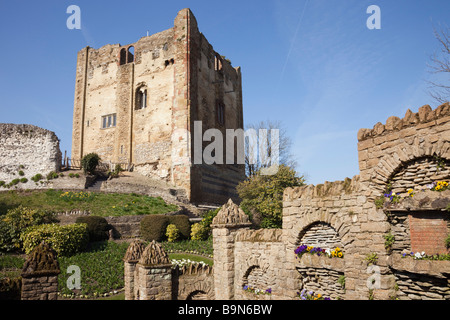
[126, 55]
[218, 64]
[220, 110]
[130, 54]
[141, 98]
[123, 56]
[109, 121]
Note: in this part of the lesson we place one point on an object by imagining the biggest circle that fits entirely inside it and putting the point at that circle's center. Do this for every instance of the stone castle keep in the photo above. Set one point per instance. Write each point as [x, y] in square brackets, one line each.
[136, 104]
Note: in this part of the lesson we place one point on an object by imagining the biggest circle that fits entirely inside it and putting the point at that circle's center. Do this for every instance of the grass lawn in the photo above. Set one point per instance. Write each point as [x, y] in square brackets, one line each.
[98, 204]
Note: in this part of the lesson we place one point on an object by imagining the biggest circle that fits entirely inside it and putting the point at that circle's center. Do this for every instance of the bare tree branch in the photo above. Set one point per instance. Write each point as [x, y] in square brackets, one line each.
[440, 64]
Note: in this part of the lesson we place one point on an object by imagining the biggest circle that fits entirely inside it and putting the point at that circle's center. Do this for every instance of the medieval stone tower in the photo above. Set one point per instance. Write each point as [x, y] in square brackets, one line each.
[137, 103]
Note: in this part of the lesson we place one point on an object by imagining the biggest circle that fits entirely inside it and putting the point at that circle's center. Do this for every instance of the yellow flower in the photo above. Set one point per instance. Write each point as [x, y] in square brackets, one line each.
[319, 296]
[340, 254]
[337, 249]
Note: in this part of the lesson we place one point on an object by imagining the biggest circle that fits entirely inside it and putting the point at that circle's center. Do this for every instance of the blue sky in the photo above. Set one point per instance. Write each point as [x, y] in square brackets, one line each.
[311, 64]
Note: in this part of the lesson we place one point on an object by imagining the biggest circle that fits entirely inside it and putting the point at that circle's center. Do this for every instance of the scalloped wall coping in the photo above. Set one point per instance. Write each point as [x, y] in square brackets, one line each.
[425, 115]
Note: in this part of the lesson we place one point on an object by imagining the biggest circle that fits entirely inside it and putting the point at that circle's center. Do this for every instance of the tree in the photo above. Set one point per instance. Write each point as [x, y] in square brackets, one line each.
[253, 164]
[264, 194]
[440, 64]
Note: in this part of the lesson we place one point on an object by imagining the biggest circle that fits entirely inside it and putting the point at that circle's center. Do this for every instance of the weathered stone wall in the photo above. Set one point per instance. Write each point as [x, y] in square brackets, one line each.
[348, 221]
[384, 150]
[40, 274]
[193, 282]
[376, 219]
[29, 149]
[259, 263]
[149, 275]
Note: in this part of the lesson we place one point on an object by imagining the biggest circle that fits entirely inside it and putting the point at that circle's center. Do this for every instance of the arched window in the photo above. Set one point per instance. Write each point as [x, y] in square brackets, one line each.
[141, 98]
[126, 55]
[130, 55]
[123, 56]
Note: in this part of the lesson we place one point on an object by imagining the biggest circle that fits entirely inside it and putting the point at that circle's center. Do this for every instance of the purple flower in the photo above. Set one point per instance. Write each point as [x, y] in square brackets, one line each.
[327, 298]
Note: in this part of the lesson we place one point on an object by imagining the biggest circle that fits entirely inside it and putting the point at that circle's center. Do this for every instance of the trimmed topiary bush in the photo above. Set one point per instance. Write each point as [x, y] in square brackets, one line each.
[172, 233]
[153, 227]
[97, 227]
[199, 232]
[65, 240]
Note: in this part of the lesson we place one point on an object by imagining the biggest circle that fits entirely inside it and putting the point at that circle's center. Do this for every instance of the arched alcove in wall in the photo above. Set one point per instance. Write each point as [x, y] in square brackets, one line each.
[320, 234]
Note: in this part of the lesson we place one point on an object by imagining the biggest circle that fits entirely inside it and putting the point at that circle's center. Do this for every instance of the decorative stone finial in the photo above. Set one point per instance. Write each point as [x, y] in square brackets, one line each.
[231, 215]
[134, 251]
[154, 254]
[41, 261]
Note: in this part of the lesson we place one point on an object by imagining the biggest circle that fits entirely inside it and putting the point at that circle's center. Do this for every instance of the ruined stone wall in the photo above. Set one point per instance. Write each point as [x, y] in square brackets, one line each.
[29, 149]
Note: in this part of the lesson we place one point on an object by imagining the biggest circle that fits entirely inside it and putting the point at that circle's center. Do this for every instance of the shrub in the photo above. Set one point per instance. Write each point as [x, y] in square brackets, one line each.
[90, 162]
[14, 182]
[172, 233]
[21, 173]
[153, 227]
[264, 194]
[37, 177]
[10, 288]
[447, 242]
[2, 183]
[15, 221]
[199, 232]
[52, 175]
[24, 180]
[183, 225]
[97, 227]
[65, 240]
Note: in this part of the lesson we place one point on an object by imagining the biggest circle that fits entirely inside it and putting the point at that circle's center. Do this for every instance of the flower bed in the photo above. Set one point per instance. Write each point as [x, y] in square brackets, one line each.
[256, 290]
[310, 295]
[423, 256]
[331, 253]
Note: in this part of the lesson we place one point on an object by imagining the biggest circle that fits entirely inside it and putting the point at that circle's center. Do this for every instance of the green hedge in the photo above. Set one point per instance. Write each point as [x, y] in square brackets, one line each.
[97, 227]
[65, 240]
[153, 227]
